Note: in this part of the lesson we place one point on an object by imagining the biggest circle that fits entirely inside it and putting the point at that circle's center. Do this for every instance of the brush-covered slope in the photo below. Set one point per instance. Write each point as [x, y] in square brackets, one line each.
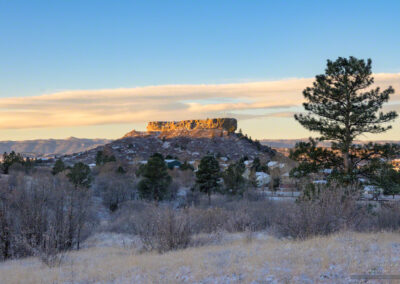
[175, 139]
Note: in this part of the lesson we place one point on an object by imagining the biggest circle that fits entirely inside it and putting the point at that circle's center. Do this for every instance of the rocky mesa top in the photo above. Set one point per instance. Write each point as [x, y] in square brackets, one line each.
[228, 124]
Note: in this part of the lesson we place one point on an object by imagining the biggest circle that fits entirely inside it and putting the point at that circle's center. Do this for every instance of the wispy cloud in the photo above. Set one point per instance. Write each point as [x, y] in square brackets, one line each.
[169, 102]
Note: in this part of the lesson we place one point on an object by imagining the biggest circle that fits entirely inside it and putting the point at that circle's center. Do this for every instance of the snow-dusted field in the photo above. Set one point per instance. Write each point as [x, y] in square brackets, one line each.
[236, 258]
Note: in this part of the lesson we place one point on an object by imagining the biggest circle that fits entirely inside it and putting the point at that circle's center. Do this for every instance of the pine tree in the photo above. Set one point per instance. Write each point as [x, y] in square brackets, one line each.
[99, 158]
[233, 178]
[207, 176]
[383, 175]
[186, 166]
[156, 180]
[80, 175]
[258, 167]
[10, 159]
[121, 170]
[59, 167]
[102, 158]
[342, 105]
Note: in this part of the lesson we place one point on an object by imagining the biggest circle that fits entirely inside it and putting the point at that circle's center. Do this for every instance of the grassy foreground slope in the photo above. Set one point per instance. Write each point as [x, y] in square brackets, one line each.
[237, 258]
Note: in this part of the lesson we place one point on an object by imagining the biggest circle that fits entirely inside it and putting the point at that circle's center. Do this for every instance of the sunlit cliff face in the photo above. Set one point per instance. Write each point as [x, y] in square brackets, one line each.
[228, 124]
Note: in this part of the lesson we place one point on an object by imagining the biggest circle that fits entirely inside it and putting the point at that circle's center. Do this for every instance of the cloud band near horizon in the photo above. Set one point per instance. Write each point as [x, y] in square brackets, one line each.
[168, 102]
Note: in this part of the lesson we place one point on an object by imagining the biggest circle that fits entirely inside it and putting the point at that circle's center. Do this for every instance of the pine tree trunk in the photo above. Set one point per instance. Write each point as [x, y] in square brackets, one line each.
[78, 238]
[347, 138]
[346, 162]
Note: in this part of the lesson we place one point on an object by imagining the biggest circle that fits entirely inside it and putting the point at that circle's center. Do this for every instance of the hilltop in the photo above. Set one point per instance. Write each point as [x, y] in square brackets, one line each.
[185, 140]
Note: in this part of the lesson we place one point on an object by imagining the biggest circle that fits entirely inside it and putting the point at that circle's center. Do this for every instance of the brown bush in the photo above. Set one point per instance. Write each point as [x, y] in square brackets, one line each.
[251, 215]
[388, 217]
[163, 229]
[332, 211]
[208, 220]
[123, 220]
[41, 215]
[230, 216]
[183, 178]
[115, 188]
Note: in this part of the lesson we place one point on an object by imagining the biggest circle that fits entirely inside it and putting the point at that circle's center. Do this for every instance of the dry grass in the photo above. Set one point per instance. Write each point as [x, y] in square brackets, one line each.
[238, 259]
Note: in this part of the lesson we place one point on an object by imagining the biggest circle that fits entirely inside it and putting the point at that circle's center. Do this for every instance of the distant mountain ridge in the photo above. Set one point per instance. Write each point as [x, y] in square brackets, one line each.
[290, 143]
[48, 147]
[51, 146]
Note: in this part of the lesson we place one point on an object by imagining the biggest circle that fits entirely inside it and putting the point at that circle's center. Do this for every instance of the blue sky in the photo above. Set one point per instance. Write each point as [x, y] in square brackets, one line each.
[52, 46]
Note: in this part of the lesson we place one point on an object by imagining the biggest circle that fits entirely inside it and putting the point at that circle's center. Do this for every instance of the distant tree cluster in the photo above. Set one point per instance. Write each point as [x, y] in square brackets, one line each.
[209, 178]
[258, 167]
[102, 158]
[186, 166]
[12, 159]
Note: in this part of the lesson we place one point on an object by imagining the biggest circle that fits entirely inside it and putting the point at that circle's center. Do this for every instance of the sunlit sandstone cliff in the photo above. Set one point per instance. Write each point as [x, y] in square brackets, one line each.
[195, 128]
[228, 124]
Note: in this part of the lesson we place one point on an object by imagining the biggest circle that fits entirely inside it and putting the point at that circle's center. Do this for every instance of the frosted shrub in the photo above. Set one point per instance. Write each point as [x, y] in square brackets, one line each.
[163, 229]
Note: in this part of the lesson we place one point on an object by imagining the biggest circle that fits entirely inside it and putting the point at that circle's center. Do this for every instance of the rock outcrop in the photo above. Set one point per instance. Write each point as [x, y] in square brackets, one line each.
[188, 140]
[227, 124]
[195, 128]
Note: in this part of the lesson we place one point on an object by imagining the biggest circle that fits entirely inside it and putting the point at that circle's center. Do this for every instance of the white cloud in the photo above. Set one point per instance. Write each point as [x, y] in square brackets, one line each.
[169, 102]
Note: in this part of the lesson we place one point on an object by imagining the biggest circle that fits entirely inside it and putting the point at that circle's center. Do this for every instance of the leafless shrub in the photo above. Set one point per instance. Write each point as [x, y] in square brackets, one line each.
[48, 252]
[249, 235]
[163, 229]
[241, 214]
[173, 190]
[253, 195]
[53, 257]
[193, 198]
[332, 211]
[239, 221]
[388, 217]
[183, 178]
[115, 188]
[234, 216]
[41, 215]
[123, 220]
[208, 220]
[207, 239]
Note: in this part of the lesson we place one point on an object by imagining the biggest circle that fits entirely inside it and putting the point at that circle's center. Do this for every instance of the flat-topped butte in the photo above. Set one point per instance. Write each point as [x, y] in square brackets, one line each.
[227, 124]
